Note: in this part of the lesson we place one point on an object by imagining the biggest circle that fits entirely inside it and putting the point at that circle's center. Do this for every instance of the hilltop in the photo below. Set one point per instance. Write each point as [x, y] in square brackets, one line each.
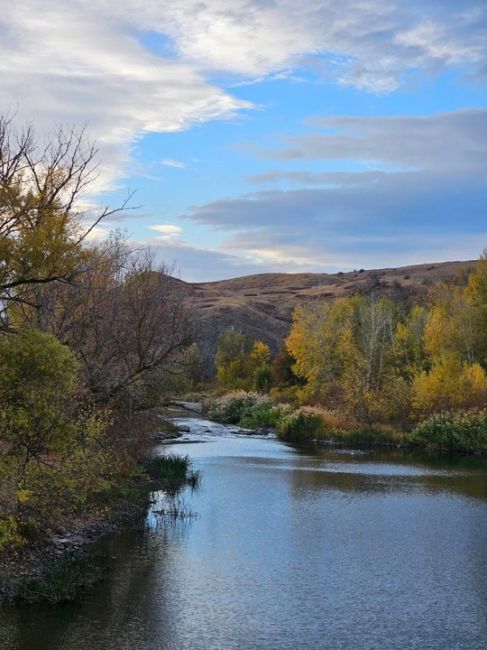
[262, 305]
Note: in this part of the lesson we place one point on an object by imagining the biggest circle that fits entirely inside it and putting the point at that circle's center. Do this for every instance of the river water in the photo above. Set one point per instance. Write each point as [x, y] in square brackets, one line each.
[289, 549]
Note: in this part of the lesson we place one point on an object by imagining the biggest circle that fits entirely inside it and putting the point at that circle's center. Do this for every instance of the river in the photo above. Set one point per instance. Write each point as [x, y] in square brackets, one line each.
[290, 549]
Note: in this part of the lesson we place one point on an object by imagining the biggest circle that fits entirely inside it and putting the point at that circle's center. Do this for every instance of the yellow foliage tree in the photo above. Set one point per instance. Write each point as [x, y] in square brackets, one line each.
[450, 384]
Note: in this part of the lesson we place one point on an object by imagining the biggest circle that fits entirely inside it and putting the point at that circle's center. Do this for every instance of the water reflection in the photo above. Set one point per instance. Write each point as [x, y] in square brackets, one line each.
[292, 548]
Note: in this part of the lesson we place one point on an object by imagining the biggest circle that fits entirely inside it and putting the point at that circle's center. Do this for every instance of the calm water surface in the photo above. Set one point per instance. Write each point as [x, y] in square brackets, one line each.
[292, 549]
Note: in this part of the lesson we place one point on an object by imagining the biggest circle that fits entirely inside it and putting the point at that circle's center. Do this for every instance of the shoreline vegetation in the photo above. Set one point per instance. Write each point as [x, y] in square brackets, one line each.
[366, 370]
[57, 567]
[461, 431]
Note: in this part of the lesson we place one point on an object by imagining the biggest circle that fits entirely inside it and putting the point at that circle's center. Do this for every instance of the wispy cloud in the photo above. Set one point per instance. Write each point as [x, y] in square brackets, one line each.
[83, 62]
[441, 142]
[166, 228]
[166, 231]
[432, 199]
[176, 164]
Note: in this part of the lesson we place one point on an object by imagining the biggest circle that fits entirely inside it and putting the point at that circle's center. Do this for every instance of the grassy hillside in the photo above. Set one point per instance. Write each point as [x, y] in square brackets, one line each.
[262, 305]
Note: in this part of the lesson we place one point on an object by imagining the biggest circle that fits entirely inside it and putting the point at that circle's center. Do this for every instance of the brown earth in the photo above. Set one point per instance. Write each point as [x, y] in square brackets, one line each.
[262, 305]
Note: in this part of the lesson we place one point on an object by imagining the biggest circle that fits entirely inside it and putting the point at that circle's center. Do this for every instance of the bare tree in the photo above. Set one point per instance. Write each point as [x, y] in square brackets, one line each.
[127, 319]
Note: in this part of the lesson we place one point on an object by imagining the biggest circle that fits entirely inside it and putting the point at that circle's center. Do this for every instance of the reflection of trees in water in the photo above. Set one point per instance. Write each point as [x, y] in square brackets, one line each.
[443, 474]
[131, 608]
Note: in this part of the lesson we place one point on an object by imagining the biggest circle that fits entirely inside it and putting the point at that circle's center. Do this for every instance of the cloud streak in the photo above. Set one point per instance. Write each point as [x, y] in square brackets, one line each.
[440, 199]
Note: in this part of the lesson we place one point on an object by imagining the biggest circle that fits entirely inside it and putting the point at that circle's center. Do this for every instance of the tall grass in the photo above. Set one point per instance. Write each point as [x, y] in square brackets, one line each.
[461, 431]
[61, 580]
[172, 472]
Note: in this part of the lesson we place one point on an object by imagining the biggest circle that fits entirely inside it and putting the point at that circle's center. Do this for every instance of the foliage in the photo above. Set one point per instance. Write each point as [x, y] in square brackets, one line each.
[41, 226]
[231, 346]
[262, 378]
[91, 338]
[264, 414]
[229, 408]
[127, 320]
[345, 352]
[243, 363]
[458, 431]
[9, 532]
[282, 370]
[37, 383]
[305, 423]
[450, 384]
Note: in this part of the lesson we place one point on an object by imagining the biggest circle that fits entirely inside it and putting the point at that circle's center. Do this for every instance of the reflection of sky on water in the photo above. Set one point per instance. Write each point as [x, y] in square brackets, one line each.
[290, 549]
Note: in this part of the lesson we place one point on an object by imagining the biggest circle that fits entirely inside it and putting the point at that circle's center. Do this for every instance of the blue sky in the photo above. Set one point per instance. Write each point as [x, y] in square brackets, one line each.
[265, 136]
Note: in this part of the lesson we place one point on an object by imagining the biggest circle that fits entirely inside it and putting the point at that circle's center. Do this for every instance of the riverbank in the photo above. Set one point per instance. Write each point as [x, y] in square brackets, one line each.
[451, 431]
[54, 568]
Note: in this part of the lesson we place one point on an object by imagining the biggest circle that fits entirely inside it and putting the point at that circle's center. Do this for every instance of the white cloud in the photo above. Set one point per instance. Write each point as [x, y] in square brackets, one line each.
[80, 63]
[177, 164]
[429, 202]
[166, 228]
[86, 62]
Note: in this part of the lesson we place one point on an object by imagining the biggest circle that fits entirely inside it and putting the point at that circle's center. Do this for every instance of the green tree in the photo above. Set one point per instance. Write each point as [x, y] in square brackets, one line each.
[37, 383]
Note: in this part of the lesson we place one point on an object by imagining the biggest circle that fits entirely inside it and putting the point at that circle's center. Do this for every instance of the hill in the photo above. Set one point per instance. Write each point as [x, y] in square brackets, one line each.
[262, 305]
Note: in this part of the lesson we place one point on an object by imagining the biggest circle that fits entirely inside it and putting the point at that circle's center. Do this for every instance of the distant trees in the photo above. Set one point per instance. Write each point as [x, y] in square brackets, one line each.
[345, 351]
[455, 342]
[242, 362]
[378, 363]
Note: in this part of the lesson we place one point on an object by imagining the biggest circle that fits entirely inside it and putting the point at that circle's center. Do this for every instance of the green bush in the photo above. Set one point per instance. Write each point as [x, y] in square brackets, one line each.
[303, 424]
[460, 431]
[37, 384]
[264, 414]
[229, 408]
[9, 535]
[263, 378]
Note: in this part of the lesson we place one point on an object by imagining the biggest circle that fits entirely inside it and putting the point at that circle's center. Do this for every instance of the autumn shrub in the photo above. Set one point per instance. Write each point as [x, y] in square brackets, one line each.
[305, 423]
[9, 532]
[460, 431]
[264, 414]
[450, 384]
[229, 408]
[287, 394]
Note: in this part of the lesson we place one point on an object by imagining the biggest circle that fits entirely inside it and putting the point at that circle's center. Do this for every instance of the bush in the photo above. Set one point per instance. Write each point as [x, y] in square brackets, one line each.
[9, 535]
[288, 394]
[460, 431]
[229, 408]
[303, 424]
[264, 414]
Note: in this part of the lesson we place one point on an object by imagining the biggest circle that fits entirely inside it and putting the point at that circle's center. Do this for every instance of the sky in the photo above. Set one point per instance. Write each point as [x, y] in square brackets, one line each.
[268, 135]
